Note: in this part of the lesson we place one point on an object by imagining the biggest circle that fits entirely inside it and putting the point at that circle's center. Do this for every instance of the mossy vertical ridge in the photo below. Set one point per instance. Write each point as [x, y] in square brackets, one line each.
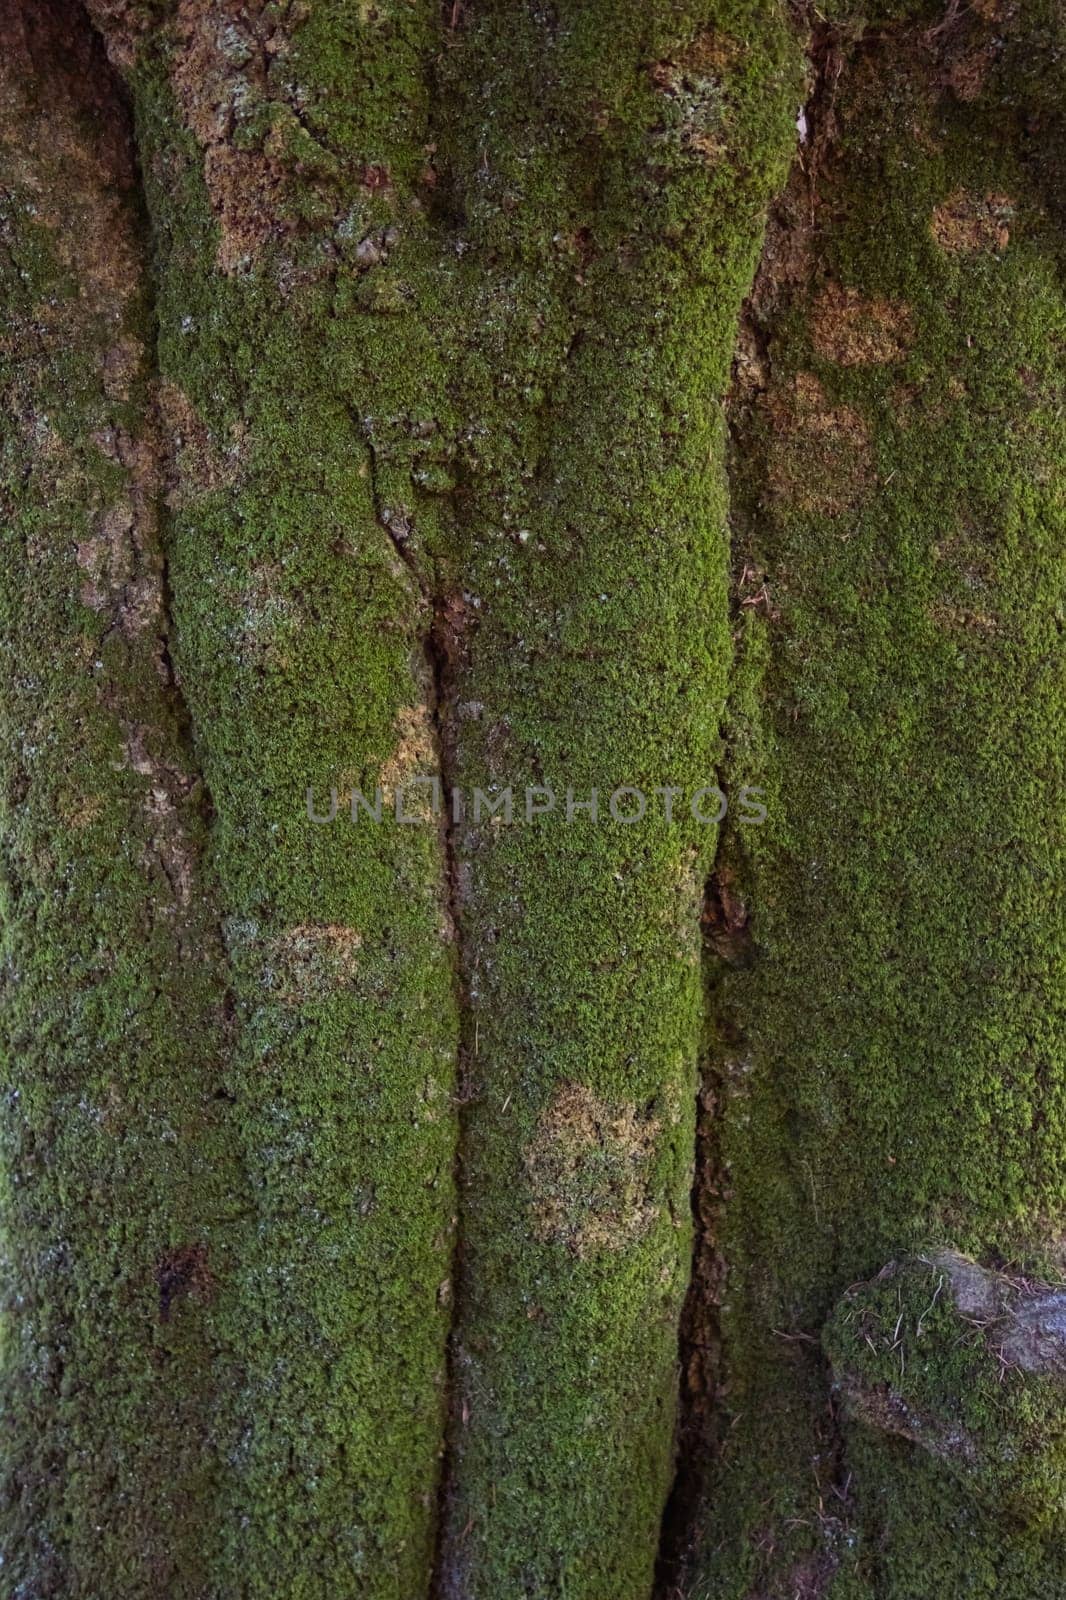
[287, 180]
[609, 168]
[118, 1186]
[894, 1078]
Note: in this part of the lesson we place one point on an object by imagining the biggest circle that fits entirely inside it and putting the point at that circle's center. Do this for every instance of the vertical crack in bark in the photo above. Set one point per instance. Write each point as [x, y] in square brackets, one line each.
[783, 265]
[158, 445]
[443, 645]
[724, 921]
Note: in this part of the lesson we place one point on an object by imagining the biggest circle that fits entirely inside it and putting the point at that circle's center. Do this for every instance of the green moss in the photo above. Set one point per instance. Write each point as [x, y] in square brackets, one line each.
[605, 257]
[952, 1359]
[300, 643]
[117, 1183]
[894, 1068]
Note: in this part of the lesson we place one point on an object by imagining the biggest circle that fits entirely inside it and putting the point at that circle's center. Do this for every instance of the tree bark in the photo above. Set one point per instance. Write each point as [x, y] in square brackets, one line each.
[884, 1079]
[405, 442]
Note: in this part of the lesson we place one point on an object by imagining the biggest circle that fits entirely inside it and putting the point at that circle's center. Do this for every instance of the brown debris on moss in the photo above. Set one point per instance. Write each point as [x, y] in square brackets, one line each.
[965, 223]
[415, 756]
[709, 53]
[588, 1172]
[309, 961]
[953, 617]
[821, 458]
[855, 330]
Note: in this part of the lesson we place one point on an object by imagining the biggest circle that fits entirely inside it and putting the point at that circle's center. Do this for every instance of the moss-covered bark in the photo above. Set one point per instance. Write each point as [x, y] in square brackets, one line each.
[888, 1061]
[308, 408]
[613, 163]
[445, 380]
[363, 423]
[118, 1189]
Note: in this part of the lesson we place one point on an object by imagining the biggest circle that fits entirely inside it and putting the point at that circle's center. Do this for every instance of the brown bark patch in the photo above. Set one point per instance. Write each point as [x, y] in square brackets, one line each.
[121, 24]
[198, 465]
[254, 141]
[183, 1273]
[725, 918]
[966, 223]
[588, 1170]
[415, 755]
[169, 845]
[954, 618]
[855, 331]
[966, 76]
[63, 144]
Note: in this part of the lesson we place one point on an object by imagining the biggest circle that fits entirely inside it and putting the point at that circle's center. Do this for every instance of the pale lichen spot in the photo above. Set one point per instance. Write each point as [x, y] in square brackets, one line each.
[856, 330]
[588, 1168]
[267, 616]
[694, 80]
[310, 961]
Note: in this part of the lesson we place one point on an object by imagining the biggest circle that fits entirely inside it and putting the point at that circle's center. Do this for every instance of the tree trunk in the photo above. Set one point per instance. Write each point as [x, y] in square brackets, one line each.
[411, 471]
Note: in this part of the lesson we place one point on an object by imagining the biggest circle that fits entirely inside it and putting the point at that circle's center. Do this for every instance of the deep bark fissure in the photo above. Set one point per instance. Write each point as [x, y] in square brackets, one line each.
[442, 646]
[699, 1332]
[726, 910]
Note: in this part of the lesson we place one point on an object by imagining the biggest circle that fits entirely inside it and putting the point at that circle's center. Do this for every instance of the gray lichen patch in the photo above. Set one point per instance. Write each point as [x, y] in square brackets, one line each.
[308, 961]
[588, 1172]
[694, 85]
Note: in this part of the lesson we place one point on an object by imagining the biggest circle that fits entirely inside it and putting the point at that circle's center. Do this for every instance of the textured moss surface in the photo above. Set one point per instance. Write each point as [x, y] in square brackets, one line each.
[968, 1365]
[490, 342]
[363, 422]
[304, 394]
[118, 1186]
[889, 1059]
[613, 163]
